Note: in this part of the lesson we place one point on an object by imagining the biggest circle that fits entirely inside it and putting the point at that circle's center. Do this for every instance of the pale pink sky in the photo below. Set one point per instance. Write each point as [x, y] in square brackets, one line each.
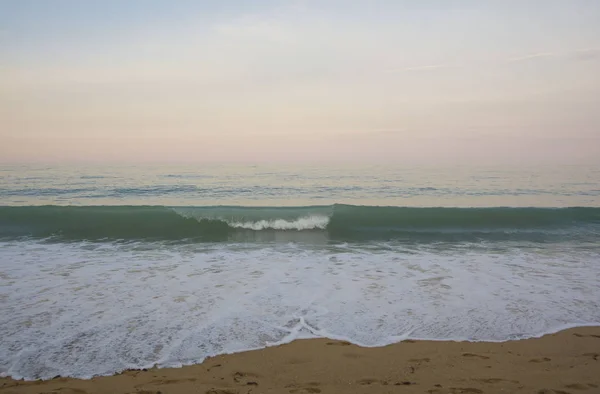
[496, 81]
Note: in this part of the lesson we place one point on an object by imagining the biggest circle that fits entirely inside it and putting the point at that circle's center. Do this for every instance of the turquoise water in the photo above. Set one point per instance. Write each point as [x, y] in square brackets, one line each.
[104, 268]
[335, 223]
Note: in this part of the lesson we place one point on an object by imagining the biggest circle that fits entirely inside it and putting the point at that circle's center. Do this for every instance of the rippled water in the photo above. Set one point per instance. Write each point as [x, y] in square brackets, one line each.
[300, 185]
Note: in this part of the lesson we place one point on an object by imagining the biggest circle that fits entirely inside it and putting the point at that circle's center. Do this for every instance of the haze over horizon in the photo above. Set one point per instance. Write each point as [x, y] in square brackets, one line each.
[300, 81]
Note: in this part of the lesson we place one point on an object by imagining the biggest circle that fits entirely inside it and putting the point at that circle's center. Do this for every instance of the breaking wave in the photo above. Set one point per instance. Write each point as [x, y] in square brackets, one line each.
[335, 222]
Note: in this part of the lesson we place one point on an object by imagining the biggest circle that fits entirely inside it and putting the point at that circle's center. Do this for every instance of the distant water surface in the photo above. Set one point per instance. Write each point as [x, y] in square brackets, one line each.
[284, 185]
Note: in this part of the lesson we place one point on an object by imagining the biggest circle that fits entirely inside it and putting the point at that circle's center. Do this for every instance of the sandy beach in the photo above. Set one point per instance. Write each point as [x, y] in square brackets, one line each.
[565, 362]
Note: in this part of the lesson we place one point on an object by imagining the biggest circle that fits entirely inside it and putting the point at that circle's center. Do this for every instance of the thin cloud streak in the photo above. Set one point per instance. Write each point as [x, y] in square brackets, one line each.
[578, 54]
[532, 56]
[429, 67]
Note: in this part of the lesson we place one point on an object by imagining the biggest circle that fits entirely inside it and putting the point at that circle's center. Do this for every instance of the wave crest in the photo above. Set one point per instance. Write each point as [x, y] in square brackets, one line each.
[313, 222]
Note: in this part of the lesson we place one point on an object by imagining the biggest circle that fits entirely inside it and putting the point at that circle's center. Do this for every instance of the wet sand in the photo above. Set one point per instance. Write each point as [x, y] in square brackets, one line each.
[566, 362]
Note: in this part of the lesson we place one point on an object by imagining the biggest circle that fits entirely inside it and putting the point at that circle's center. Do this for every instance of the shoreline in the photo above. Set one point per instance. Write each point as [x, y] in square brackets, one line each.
[565, 362]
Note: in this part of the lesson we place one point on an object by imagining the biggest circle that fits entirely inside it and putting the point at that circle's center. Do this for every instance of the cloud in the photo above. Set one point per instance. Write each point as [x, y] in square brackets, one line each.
[429, 67]
[586, 54]
[532, 56]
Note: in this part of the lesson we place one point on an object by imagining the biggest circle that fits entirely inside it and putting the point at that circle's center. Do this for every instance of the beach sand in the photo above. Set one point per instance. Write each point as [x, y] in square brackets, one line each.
[565, 362]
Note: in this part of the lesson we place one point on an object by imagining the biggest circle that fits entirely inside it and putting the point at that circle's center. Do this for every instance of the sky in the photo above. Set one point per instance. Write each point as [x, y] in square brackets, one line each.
[406, 81]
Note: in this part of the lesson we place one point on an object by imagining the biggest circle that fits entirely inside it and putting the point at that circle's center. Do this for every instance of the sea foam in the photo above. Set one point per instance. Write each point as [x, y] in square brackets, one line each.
[312, 222]
[91, 308]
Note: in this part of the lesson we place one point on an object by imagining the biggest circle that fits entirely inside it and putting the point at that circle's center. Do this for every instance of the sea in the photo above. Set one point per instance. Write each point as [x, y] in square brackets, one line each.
[111, 267]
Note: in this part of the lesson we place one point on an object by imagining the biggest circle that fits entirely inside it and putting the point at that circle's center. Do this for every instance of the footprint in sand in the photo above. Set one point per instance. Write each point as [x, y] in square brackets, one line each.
[419, 360]
[148, 392]
[169, 381]
[592, 355]
[369, 381]
[339, 343]
[580, 386]
[471, 355]
[246, 378]
[222, 391]
[66, 390]
[213, 366]
[549, 391]
[539, 360]
[586, 336]
[456, 390]
[497, 380]
[310, 387]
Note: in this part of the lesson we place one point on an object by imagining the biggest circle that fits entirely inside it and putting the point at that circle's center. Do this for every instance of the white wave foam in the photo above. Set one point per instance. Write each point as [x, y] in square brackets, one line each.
[312, 222]
[95, 309]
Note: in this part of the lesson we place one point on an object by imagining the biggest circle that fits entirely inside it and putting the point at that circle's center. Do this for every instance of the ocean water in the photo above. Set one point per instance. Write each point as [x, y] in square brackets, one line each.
[104, 268]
